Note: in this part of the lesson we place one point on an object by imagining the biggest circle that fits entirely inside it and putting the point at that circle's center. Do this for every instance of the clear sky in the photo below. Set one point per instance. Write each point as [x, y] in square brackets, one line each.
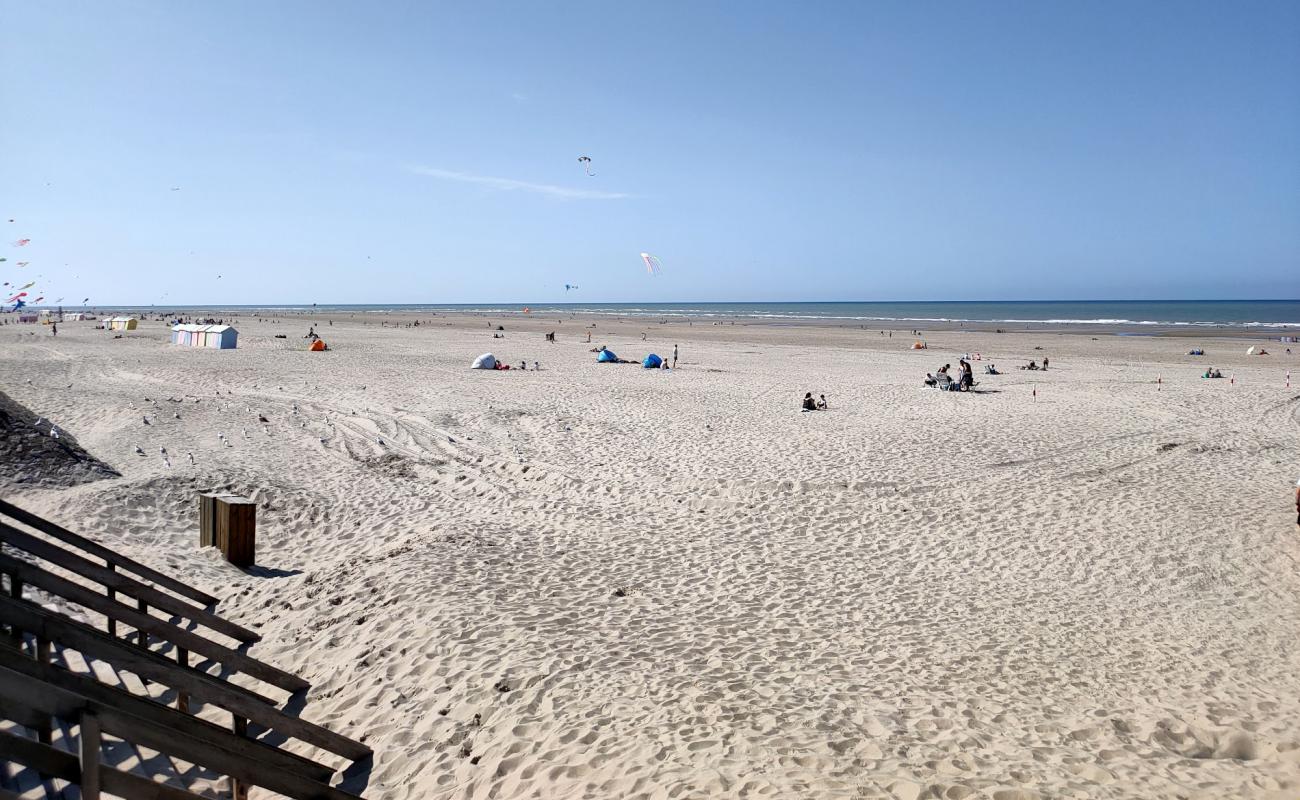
[427, 152]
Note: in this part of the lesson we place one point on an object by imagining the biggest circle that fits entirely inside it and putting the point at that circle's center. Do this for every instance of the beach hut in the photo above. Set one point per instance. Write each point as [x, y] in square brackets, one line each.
[122, 323]
[221, 337]
[26, 318]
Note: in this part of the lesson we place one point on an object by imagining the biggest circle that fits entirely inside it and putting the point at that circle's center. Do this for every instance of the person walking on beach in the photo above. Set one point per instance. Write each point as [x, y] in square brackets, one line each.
[674, 356]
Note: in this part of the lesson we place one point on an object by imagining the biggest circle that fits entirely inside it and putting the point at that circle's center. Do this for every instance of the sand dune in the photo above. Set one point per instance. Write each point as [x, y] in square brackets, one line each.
[600, 581]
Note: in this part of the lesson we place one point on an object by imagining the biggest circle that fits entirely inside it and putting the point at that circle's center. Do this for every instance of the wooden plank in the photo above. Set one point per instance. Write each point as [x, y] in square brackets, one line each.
[237, 529]
[103, 698]
[90, 745]
[113, 557]
[179, 637]
[63, 765]
[117, 582]
[215, 752]
[203, 687]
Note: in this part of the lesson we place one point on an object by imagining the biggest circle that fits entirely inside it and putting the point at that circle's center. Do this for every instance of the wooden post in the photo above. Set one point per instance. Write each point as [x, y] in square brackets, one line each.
[237, 530]
[112, 623]
[90, 747]
[45, 731]
[183, 698]
[142, 638]
[238, 789]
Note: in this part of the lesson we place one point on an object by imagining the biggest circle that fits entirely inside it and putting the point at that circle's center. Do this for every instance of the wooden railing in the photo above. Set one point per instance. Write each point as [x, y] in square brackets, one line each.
[35, 691]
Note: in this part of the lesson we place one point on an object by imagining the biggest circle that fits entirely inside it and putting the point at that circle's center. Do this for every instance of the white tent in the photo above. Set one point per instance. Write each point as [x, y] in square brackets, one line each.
[485, 361]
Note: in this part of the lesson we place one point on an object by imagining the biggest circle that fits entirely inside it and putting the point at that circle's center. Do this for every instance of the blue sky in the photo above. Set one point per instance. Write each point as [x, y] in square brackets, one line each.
[419, 152]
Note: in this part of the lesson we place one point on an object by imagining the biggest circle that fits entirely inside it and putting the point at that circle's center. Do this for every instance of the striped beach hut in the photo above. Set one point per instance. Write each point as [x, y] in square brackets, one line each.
[221, 337]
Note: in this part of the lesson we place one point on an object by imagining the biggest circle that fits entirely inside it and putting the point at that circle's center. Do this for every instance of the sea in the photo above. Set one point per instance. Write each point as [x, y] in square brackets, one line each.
[1138, 314]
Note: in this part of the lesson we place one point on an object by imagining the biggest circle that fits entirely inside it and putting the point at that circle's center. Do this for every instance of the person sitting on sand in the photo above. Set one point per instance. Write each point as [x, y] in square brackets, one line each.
[943, 370]
[808, 403]
[930, 380]
[991, 369]
[821, 403]
[1030, 366]
[311, 334]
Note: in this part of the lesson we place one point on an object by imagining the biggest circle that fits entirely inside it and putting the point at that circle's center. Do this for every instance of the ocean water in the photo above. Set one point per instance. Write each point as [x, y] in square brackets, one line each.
[1268, 314]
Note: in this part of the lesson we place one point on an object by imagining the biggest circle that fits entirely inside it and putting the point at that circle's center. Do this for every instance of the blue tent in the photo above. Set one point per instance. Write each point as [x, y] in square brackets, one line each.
[606, 356]
[652, 361]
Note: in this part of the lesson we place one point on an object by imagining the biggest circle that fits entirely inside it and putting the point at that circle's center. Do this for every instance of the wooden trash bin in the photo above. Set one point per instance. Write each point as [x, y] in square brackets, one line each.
[236, 529]
[208, 518]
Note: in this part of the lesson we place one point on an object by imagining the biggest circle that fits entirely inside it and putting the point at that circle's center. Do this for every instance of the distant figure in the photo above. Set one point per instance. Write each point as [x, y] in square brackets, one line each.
[674, 356]
[966, 378]
[54, 329]
[1297, 502]
[588, 337]
[808, 403]
[550, 337]
[1044, 363]
[643, 336]
[821, 403]
[537, 366]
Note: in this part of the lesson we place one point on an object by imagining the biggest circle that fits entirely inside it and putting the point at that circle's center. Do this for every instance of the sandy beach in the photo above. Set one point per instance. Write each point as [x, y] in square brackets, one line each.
[600, 581]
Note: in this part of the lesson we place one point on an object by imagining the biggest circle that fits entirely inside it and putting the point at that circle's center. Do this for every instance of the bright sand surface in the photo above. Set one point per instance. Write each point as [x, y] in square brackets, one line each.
[650, 584]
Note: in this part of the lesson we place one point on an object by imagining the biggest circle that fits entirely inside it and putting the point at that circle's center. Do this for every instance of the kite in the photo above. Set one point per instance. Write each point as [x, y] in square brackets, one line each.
[39, 299]
[23, 263]
[27, 286]
[22, 242]
[652, 264]
[586, 165]
[84, 300]
[60, 300]
[567, 287]
[18, 304]
[3, 259]
[176, 188]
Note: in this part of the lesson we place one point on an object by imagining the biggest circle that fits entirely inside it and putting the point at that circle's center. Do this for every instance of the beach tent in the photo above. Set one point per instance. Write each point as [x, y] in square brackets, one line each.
[606, 357]
[485, 361]
[652, 361]
[122, 323]
[222, 337]
[317, 346]
[26, 317]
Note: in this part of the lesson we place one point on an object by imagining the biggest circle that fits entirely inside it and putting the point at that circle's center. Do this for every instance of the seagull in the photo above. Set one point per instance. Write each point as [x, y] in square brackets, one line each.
[139, 450]
[146, 420]
[261, 418]
[379, 441]
[54, 431]
[177, 416]
[38, 421]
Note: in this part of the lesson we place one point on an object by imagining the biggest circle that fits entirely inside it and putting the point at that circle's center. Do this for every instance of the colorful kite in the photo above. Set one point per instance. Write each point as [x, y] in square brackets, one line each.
[22, 242]
[652, 264]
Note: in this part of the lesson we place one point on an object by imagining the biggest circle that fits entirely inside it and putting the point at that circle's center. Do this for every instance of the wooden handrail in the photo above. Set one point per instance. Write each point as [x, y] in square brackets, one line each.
[110, 556]
[63, 765]
[168, 732]
[73, 694]
[231, 659]
[117, 582]
[205, 688]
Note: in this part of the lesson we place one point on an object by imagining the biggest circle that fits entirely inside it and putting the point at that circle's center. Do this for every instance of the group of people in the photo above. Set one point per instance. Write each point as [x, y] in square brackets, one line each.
[965, 379]
[1034, 367]
[809, 404]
